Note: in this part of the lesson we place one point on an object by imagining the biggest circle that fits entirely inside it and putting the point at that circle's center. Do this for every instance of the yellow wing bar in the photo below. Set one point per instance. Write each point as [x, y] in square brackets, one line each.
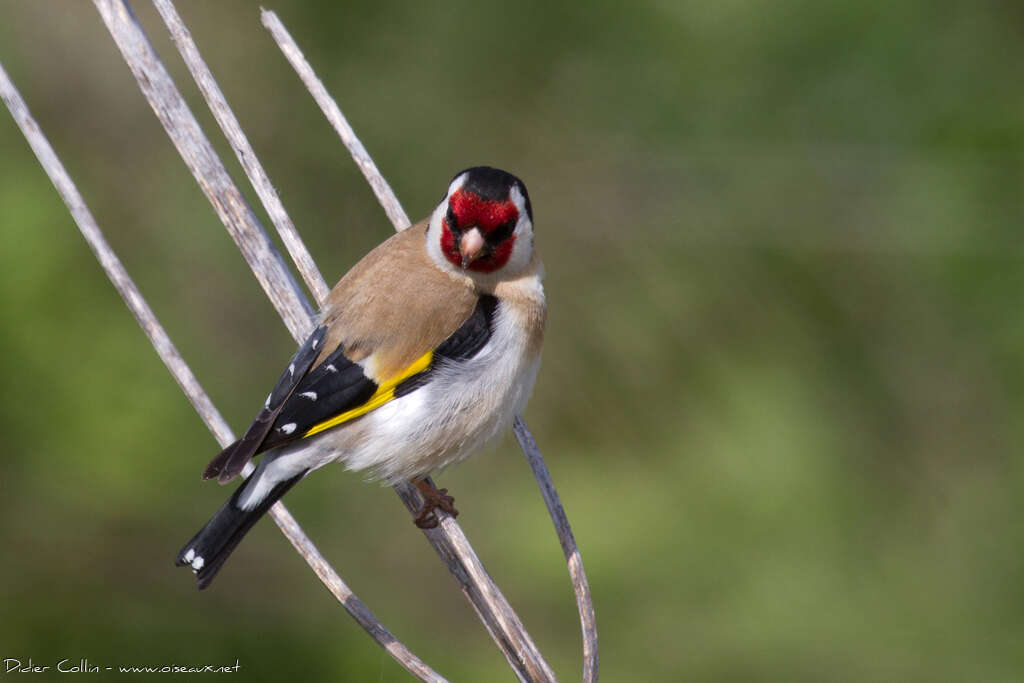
[385, 392]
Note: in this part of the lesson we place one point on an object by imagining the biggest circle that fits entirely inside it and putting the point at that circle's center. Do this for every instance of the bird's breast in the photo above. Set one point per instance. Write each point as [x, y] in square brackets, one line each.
[466, 403]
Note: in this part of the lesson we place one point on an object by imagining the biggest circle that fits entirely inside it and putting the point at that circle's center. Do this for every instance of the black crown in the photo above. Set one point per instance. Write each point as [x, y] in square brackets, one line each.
[494, 184]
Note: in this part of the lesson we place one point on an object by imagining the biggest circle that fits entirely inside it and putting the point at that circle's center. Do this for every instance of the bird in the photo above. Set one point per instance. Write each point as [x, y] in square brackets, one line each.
[424, 351]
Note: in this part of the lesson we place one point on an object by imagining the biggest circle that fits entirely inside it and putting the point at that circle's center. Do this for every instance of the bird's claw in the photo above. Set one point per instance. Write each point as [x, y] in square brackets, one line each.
[433, 499]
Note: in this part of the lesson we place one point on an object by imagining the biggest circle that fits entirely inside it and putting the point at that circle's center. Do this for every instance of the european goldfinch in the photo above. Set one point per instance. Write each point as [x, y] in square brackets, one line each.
[426, 349]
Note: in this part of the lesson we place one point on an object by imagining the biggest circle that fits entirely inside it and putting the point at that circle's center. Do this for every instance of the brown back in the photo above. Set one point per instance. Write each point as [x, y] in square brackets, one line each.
[395, 304]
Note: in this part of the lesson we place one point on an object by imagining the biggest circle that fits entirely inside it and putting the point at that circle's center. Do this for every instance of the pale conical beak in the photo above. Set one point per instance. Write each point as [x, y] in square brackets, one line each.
[470, 246]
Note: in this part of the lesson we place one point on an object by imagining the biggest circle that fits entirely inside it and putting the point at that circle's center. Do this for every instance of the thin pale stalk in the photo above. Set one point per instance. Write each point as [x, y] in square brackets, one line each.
[491, 606]
[244, 152]
[181, 372]
[386, 196]
[580, 586]
[381, 188]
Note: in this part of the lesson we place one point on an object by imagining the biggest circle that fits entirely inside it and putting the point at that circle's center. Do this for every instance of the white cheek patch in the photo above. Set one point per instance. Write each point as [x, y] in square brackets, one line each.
[523, 233]
[434, 244]
[520, 201]
[524, 226]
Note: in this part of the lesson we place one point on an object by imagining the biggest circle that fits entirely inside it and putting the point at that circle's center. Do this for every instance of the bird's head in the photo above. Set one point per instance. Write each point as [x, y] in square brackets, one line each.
[484, 224]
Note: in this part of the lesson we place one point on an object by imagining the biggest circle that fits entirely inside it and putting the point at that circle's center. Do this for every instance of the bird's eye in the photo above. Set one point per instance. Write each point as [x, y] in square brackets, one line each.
[453, 221]
[502, 232]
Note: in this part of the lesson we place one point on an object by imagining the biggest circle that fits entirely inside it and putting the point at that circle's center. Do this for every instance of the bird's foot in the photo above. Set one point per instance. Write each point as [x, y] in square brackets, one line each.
[433, 499]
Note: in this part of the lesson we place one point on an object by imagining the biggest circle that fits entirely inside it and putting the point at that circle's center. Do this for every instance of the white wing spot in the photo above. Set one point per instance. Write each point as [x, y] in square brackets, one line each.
[197, 564]
[291, 368]
[316, 343]
[288, 428]
[311, 395]
[190, 555]
[331, 368]
[266, 404]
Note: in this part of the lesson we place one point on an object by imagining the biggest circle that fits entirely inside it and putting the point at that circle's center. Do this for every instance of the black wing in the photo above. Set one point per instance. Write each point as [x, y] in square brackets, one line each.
[335, 386]
[232, 459]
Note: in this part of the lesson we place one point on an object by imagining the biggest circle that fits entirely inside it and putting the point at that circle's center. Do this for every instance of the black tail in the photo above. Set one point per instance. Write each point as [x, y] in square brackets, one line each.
[210, 548]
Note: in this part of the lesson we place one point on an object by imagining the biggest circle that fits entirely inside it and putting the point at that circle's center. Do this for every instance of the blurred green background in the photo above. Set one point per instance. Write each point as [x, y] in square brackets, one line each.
[783, 385]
